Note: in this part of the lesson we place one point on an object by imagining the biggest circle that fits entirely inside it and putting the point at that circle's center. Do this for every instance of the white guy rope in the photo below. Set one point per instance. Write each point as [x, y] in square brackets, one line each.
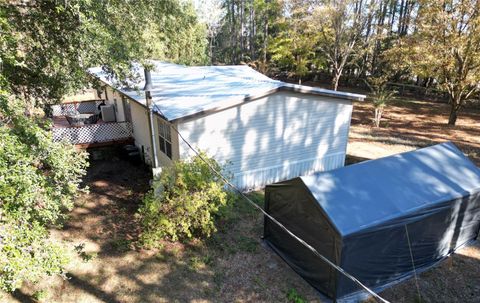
[413, 264]
[312, 249]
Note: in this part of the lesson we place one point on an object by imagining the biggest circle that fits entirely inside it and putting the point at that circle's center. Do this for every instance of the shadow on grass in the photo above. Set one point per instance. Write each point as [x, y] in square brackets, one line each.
[20, 296]
[90, 288]
[418, 124]
[230, 266]
[177, 272]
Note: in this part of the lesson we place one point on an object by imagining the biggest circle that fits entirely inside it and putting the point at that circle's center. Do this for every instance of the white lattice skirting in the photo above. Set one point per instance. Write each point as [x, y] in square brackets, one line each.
[93, 133]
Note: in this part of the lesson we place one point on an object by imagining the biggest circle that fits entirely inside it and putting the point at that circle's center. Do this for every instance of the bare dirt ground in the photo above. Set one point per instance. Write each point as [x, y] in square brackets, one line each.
[233, 266]
[411, 124]
[454, 280]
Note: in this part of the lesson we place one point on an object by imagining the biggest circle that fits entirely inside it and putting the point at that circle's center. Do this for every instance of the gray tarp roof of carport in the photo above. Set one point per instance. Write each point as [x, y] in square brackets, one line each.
[372, 192]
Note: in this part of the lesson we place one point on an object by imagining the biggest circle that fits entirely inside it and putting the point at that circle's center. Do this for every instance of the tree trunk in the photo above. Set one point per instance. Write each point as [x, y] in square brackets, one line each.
[452, 119]
[378, 116]
[234, 33]
[210, 49]
[252, 31]
[213, 53]
[242, 29]
[265, 39]
[393, 12]
[335, 80]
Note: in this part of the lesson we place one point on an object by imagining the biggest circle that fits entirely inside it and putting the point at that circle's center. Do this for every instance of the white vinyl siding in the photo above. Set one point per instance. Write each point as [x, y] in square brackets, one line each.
[141, 133]
[140, 129]
[274, 138]
[114, 98]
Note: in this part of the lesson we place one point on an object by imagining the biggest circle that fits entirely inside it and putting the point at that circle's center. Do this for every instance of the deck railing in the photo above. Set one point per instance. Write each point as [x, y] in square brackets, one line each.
[94, 133]
[81, 107]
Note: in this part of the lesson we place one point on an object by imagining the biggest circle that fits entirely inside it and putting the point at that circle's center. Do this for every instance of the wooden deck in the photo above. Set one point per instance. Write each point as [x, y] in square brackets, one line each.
[61, 121]
[106, 143]
[100, 133]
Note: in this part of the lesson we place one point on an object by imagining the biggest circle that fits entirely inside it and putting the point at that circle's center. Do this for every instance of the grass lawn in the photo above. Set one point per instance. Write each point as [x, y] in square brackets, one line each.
[234, 266]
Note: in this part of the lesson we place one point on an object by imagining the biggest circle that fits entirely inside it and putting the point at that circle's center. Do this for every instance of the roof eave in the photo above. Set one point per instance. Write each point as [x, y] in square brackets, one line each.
[321, 92]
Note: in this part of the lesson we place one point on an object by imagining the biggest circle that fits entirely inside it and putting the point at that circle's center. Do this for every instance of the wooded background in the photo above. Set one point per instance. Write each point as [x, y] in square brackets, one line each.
[425, 47]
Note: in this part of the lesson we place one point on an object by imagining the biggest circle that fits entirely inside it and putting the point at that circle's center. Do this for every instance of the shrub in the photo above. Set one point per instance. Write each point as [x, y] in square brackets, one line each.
[381, 97]
[26, 254]
[184, 202]
[38, 177]
[38, 180]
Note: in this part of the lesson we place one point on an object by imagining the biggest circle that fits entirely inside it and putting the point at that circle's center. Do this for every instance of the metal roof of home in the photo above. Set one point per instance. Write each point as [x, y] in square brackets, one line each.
[370, 193]
[180, 92]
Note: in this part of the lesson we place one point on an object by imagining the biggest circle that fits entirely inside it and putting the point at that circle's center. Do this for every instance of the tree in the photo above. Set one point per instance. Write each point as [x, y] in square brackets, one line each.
[246, 28]
[211, 13]
[292, 49]
[51, 43]
[446, 47]
[349, 37]
[45, 49]
[38, 181]
[340, 24]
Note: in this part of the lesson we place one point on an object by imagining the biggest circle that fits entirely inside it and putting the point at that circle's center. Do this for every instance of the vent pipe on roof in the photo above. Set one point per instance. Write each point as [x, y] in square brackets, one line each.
[149, 103]
[148, 80]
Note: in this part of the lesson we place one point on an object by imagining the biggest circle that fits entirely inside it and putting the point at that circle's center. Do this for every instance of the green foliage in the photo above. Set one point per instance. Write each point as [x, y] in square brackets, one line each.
[38, 177]
[26, 254]
[46, 46]
[45, 49]
[247, 244]
[86, 257]
[38, 181]
[40, 295]
[381, 96]
[339, 24]
[292, 49]
[294, 297]
[198, 262]
[121, 245]
[446, 47]
[245, 30]
[188, 197]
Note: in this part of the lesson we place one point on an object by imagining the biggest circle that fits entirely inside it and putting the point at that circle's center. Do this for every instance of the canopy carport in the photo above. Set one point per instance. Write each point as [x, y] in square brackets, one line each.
[379, 220]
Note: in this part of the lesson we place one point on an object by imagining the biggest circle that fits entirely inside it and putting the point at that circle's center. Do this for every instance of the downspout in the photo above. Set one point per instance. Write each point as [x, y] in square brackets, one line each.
[148, 95]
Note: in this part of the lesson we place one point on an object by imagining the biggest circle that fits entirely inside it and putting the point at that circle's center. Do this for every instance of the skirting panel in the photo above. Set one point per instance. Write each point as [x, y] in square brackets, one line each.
[255, 179]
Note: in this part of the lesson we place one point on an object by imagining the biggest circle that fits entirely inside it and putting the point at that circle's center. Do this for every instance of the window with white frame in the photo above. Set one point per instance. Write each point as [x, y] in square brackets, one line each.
[165, 138]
